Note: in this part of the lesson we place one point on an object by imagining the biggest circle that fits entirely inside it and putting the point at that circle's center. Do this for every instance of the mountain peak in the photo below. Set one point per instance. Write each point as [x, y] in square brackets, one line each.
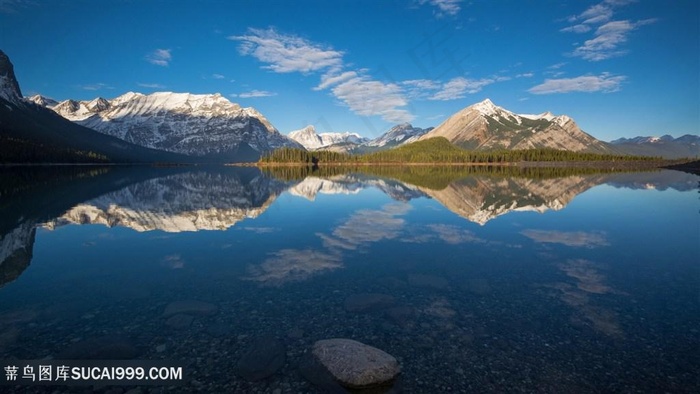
[487, 107]
[9, 88]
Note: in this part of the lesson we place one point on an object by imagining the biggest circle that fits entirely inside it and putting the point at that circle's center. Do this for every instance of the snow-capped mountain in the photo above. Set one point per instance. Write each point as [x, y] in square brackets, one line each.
[665, 146]
[9, 87]
[192, 201]
[313, 141]
[401, 134]
[200, 125]
[487, 126]
[42, 101]
[30, 133]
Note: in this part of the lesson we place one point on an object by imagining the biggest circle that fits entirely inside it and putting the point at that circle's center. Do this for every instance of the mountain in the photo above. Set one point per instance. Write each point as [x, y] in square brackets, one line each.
[205, 126]
[313, 141]
[190, 201]
[665, 146]
[42, 101]
[485, 126]
[32, 133]
[398, 135]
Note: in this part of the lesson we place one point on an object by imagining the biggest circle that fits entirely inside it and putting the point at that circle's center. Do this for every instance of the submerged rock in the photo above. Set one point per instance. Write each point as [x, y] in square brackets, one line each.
[262, 358]
[179, 321]
[190, 307]
[356, 365]
[367, 302]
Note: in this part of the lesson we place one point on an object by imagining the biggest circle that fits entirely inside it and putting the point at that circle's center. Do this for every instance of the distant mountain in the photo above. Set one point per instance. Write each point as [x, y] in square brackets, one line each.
[203, 126]
[665, 146]
[31, 133]
[485, 126]
[42, 101]
[398, 135]
[308, 138]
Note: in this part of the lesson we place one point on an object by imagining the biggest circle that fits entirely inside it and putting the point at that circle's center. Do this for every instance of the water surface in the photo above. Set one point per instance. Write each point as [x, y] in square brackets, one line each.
[478, 281]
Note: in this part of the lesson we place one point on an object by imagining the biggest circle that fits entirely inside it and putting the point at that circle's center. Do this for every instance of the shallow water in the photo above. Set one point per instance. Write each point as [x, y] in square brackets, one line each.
[480, 283]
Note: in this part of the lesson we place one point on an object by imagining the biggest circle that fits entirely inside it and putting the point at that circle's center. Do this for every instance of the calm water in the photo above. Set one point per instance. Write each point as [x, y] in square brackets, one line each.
[480, 283]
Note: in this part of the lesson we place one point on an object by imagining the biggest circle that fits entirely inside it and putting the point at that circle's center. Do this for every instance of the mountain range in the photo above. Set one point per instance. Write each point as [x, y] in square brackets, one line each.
[310, 140]
[203, 126]
[31, 133]
[184, 127]
[665, 146]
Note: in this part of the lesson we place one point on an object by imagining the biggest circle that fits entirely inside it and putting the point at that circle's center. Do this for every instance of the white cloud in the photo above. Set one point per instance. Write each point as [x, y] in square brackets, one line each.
[581, 28]
[368, 97]
[286, 53]
[525, 75]
[332, 78]
[254, 94]
[218, 76]
[95, 86]
[608, 38]
[160, 57]
[458, 87]
[445, 7]
[151, 85]
[588, 83]
[355, 89]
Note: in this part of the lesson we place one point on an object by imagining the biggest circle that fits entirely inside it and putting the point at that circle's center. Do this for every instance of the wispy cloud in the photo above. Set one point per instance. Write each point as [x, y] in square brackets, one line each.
[369, 97]
[293, 265]
[575, 238]
[607, 40]
[444, 7]
[458, 87]
[95, 86]
[608, 35]
[151, 85]
[160, 57]
[218, 76]
[355, 89]
[286, 53]
[14, 6]
[254, 94]
[605, 82]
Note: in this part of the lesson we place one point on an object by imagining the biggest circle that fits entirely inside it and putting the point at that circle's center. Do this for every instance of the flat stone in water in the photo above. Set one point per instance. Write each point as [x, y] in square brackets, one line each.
[179, 321]
[367, 302]
[190, 307]
[265, 356]
[102, 348]
[356, 365]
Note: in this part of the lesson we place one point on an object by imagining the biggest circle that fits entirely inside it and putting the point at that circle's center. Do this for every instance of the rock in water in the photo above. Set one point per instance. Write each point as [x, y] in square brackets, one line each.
[263, 358]
[356, 365]
[190, 307]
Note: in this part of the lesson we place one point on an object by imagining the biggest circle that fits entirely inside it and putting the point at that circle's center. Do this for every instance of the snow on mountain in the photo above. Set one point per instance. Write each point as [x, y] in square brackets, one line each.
[191, 124]
[398, 135]
[485, 126]
[9, 88]
[42, 101]
[312, 141]
[191, 201]
[665, 146]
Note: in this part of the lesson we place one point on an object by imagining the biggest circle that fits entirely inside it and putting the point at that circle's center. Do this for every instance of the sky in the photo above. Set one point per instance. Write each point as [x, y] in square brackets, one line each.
[619, 68]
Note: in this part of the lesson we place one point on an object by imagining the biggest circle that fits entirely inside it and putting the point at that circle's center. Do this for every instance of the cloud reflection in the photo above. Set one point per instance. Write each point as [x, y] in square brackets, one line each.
[293, 265]
[574, 238]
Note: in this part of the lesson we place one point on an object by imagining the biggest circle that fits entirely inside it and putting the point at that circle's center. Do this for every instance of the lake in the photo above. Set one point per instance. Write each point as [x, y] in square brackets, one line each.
[475, 280]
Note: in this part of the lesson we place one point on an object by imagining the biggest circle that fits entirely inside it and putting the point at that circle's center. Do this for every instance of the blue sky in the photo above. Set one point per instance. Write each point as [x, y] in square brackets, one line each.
[620, 68]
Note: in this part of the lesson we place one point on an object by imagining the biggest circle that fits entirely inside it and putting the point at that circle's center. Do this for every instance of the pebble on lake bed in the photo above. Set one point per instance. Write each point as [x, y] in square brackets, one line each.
[356, 365]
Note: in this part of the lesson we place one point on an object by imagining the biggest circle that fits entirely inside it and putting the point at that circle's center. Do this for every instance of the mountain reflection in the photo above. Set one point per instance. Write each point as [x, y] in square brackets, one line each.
[186, 199]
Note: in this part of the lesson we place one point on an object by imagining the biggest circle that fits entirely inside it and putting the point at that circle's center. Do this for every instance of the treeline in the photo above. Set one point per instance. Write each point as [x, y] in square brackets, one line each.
[440, 150]
[434, 177]
[17, 150]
